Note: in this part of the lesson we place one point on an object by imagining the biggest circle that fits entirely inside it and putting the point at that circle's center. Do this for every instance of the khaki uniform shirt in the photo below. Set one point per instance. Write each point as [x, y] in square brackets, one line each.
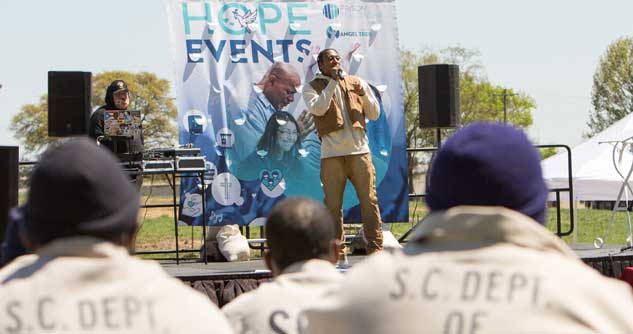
[275, 307]
[84, 285]
[349, 140]
[477, 270]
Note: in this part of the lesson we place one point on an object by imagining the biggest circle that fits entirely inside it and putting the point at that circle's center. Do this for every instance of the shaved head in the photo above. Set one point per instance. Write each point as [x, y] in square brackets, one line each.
[299, 229]
[280, 84]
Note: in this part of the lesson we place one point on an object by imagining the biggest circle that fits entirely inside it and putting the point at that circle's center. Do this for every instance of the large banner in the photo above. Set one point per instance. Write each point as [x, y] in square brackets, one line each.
[230, 99]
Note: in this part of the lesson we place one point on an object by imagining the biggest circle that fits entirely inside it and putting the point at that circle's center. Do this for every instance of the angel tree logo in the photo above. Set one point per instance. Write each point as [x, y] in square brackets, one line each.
[330, 11]
[332, 33]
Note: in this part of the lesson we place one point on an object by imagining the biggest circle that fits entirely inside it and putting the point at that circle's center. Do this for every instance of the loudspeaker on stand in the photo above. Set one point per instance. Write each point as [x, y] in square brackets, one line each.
[438, 87]
[68, 103]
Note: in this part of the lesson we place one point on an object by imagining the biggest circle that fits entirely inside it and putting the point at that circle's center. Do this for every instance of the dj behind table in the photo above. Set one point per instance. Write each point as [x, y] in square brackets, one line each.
[113, 125]
[121, 132]
[117, 128]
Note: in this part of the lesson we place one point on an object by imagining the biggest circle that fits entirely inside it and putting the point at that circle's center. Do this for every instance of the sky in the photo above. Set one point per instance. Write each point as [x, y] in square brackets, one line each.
[547, 49]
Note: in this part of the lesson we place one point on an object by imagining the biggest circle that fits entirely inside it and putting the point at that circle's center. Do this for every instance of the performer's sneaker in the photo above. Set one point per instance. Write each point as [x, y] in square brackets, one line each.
[343, 263]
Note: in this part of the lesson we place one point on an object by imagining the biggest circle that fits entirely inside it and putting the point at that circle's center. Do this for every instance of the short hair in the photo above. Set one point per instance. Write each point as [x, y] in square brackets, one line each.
[322, 54]
[280, 69]
[299, 229]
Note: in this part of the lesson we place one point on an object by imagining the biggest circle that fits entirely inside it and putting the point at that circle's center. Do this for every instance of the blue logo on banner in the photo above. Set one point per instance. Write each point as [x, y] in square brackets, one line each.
[270, 178]
[330, 11]
[332, 33]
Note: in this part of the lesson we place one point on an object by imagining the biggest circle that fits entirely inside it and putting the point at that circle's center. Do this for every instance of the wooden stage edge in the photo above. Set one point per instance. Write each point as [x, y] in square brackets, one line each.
[610, 261]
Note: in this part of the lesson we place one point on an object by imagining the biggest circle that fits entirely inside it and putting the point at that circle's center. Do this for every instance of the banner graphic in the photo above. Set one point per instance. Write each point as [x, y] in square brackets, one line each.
[249, 121]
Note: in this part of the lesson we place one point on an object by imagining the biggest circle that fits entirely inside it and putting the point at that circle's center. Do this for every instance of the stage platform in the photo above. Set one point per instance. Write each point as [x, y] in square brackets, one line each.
[194, 271]
[223, 281]
[610, 260]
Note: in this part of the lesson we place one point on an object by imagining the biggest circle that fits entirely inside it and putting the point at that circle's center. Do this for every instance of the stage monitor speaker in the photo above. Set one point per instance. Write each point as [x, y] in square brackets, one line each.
[438, 87]
[8, 184]
[68, 103]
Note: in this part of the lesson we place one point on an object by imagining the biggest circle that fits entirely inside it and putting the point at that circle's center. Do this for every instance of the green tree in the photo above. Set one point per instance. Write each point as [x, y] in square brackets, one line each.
[547, 152]
[149, 94]
[30, 126]
[480, 100]
[612, 93]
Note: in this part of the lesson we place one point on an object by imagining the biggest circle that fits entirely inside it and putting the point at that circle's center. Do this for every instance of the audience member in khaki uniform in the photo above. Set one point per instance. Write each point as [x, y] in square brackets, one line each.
[481, 262]
[80, 216]
[302, 252]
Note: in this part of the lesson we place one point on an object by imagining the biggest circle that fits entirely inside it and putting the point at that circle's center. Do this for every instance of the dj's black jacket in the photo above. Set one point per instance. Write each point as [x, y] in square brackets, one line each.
[95, 130]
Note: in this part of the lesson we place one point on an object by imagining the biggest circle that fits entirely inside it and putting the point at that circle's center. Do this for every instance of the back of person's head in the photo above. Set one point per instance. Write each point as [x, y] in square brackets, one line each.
[79, 189]
[488, 164]
[299, 229]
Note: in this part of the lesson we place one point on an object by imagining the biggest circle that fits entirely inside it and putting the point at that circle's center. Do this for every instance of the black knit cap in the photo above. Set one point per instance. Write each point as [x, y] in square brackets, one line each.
[488, 164]
[115, 86]
[79, 189]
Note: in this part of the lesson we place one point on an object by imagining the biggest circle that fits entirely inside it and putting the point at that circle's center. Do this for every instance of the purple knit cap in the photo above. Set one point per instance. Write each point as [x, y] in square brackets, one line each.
[488, 164]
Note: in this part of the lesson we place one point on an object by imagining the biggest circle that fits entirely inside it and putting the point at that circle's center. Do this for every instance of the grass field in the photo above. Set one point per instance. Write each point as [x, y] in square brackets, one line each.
[158, 230]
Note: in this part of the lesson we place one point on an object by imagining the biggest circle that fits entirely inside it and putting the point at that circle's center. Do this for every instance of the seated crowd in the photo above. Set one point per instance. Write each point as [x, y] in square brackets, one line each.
[480, 262]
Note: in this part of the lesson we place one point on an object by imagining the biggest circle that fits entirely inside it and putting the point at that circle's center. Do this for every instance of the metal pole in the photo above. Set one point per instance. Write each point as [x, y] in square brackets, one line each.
[505, 104]
[173, 190]
[439, 137]
[204, 218]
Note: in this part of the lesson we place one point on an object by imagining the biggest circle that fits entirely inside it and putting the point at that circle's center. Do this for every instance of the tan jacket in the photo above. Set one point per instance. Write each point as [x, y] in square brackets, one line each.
[275, 307]
[332, 120]
[339, 114]
[477, 270]
[83, 285]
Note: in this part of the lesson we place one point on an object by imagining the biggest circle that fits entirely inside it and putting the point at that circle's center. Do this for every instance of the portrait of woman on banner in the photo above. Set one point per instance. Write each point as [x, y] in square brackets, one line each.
[277, 153]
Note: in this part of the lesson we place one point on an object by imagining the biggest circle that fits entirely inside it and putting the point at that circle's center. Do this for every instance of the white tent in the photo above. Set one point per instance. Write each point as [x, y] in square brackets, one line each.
[594, 175]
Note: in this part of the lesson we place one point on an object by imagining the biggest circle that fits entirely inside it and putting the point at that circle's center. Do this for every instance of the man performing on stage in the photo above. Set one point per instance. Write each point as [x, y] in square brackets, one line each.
[340, 104]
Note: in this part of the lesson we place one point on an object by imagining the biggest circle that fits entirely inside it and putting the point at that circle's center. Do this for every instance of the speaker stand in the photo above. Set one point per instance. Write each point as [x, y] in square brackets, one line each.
[438, 135]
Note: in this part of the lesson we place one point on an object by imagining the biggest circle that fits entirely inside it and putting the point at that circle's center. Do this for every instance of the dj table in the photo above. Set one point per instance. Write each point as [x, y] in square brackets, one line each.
[173, 163]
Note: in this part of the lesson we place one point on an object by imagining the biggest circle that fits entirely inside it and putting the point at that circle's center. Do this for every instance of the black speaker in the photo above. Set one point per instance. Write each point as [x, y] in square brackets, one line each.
[438, 87]
[68, 103]
[8, 184]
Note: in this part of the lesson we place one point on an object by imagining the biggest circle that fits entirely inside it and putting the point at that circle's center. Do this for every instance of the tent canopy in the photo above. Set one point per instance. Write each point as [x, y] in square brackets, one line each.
[594, 175]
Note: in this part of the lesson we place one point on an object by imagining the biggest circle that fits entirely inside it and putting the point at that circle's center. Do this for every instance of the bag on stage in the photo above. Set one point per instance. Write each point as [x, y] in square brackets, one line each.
[233, 245]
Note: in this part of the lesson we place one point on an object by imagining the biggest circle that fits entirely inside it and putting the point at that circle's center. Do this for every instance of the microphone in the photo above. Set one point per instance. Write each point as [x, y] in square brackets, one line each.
[340, 74]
